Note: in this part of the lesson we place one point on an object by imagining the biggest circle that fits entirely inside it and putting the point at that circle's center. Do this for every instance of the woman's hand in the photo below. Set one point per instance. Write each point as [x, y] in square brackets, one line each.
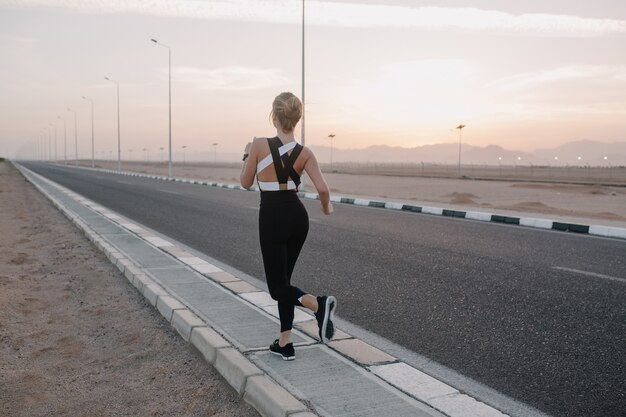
[327, 209]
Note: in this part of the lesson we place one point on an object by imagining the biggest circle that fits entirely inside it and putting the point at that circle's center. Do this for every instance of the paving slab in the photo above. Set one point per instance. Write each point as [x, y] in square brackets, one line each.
[244, 325]
[240, 287]
[222, 277]
[77, 208]
[311, 328]
[176, 275]
[140, 252]
[104, 226]
[461, 405]
[412, 381]
[337, 388]
[176, 251]
[361, 352]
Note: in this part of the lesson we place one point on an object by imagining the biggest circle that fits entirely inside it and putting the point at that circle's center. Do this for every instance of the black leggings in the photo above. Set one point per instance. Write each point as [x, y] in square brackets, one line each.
[283, 226]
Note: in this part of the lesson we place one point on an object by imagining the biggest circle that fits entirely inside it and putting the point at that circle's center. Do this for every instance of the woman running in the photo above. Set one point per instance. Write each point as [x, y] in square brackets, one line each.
[278, 163]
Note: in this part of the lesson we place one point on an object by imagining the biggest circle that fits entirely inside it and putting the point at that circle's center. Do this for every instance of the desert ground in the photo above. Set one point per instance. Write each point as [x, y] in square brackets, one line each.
[76, 339]
[563, 198]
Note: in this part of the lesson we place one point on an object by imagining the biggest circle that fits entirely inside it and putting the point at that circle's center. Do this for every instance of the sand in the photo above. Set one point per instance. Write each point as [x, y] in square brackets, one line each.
[586, 204]
[76, 339]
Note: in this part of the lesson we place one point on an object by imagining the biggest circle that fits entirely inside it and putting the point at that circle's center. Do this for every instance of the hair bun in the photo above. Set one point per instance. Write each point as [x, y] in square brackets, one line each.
[288, 110]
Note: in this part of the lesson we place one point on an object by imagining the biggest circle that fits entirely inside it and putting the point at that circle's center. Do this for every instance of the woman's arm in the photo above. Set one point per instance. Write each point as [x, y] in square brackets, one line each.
[312, 168]
[249, 164]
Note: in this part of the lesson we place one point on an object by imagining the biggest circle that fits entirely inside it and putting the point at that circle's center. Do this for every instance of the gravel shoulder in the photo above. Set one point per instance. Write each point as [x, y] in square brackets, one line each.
[76, 338]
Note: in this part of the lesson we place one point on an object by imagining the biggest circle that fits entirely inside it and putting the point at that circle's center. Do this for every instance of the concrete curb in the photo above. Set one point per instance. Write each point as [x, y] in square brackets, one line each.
[563, 226]
[270, 399]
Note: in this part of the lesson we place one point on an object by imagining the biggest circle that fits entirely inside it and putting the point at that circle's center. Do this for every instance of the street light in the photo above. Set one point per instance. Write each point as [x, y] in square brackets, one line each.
[460, 127]
[130, 154]
[147, 154]
[606, 158]
[75, 137]
[161, 149]
[302, 124]
[64, 138]
[50, 155]
[215, 153]
[169, 55]
[119, 149]
[43, 144]
[184, 154]
[331, 137]
[46, 136]
[93, 161]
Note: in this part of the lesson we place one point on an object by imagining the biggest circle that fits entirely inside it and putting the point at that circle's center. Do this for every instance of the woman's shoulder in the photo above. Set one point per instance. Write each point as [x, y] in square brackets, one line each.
[306, 151]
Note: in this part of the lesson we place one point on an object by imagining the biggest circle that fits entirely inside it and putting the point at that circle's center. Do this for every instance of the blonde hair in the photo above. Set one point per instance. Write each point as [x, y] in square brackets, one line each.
[287, 108]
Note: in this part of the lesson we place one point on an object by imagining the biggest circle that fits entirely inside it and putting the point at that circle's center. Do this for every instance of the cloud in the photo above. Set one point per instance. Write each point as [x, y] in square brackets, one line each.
[351, 15]
[231, 78]
[24, 39]
[580, 73]
[414, 93]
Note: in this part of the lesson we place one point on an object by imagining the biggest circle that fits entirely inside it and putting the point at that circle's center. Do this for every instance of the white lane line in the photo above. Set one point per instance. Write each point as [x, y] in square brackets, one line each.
[169, 192]
[591, 274]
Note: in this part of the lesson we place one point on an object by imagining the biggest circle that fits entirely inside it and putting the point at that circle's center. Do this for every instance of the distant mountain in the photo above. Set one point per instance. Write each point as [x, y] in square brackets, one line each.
[590, 153]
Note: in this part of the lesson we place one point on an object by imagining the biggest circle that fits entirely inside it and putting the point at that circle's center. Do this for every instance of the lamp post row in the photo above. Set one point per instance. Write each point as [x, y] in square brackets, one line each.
[119, 148]
[169, 50]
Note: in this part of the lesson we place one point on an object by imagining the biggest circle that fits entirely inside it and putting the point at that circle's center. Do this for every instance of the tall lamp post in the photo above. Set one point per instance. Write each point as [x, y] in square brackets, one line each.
[169, 55]
[184, 154]
[119, 149]
[75, 137]
[215, 153]
[46, 146]
[64, 139]
[302, 124]
[460, 127]
[51, 154]
[93, 160]
[331, 137]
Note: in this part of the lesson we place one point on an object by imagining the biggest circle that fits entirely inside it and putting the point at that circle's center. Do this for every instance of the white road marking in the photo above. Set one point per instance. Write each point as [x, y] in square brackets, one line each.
[591, 274]
[169, 192]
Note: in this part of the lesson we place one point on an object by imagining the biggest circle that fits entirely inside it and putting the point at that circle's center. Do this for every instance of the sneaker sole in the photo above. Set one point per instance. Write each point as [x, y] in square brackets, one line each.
[329, 314]
[285, 358]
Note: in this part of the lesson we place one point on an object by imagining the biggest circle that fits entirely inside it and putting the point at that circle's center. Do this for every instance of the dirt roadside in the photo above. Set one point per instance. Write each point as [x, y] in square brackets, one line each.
[76, 339]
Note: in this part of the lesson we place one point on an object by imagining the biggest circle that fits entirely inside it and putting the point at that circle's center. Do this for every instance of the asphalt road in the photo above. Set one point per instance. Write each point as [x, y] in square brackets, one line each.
[486, 300]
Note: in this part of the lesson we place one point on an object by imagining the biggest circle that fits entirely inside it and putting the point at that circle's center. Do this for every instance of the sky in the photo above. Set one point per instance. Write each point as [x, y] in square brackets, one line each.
[521, 75]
